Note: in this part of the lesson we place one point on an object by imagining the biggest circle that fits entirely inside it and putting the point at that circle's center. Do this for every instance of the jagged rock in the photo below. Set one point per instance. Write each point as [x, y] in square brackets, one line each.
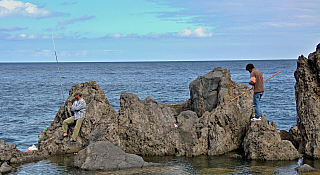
[5, 168]
[293, 135]
[12, 155]
[307, 91]
[304, 168]
[263, 142]
[285, 135]
[146, 126]
[98, 113]
[103, 155]
[222, 129]
[207, 91]
[226, 130]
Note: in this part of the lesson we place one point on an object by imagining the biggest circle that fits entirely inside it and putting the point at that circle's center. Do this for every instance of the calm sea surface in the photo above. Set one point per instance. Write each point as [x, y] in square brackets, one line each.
[31, 96]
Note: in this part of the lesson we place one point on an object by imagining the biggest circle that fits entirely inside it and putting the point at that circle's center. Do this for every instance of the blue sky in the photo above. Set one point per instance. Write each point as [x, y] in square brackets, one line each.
[157, 30]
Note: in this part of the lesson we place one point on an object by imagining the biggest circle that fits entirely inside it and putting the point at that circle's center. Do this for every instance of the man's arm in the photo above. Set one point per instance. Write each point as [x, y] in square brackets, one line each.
[81, 105]
[252, 81]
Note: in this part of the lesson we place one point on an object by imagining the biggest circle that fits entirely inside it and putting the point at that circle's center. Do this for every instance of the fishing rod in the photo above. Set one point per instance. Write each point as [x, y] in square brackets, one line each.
[64, 102]
[250, 89]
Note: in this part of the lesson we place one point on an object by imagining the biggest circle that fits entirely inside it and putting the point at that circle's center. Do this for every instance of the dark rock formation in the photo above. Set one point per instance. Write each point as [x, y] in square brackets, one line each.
[206, 126]
[293, 136]
[304, 168]
[11, 155]
[103, 155]
[205, 89]
[307, 91]
[5, 168]
[146, 126]
[263, 142]
[99, 112]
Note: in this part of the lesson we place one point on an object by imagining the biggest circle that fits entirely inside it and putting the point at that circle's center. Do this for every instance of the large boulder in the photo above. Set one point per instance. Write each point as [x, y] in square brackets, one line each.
[103, 155]
[213, 89]
[220, 128]
[307, 91]
[263, 142]
[146, 126]
[98, 113]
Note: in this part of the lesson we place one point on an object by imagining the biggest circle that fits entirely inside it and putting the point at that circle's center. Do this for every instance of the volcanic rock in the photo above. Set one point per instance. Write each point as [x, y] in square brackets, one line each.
[146, 126]
[5, 168]
[304, 168]
[98, 113]
[11, 155]
[307, 91]
[263, 142]
[293, 135]
[205, 124]
[103, 155]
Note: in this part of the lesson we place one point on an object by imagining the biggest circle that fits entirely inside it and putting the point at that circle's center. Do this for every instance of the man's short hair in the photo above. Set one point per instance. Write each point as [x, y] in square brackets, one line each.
[249, 66]
[78, 93]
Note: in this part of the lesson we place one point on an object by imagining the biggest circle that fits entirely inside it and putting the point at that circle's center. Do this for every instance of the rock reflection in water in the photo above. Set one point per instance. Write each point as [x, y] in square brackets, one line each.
[63, 164]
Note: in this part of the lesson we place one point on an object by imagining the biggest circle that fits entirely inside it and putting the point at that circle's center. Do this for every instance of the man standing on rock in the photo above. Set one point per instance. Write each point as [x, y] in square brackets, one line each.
[256, 80]
[79, 109]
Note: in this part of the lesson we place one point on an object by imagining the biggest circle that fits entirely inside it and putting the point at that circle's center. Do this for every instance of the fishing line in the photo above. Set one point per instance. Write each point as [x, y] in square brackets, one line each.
[64, 102]
[250, 89]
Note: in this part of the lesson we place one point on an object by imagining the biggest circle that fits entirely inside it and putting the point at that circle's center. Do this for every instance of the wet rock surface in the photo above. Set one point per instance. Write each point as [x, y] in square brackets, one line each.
[9, 155]
[103, 155]
[304, 168]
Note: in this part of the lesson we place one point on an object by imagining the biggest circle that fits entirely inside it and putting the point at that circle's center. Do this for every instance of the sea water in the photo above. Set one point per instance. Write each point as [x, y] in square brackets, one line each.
[31, 95]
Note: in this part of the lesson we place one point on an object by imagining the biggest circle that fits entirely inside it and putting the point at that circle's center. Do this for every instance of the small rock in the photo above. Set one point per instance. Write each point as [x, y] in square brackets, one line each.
[304, 168]
[236, 156]
[5, 168]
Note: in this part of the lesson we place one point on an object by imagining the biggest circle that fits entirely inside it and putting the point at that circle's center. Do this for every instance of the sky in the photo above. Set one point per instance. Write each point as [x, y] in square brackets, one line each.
[157, 30]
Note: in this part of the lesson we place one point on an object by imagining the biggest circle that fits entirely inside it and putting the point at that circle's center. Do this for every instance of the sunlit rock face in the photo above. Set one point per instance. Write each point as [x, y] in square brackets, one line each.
[307, 91]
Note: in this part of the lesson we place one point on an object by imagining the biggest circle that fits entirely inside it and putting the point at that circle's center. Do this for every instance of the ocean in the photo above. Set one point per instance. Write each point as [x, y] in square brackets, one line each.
[31, 96]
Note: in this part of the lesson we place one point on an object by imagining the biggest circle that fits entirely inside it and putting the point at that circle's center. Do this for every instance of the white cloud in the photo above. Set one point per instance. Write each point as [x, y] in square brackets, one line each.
[157, 36]
[196, 33]
[43, 53]
[113, 36]
[71, 21]
[11, 8]
[116, 36]
[21, 37]
[15, 28]
[185, 33]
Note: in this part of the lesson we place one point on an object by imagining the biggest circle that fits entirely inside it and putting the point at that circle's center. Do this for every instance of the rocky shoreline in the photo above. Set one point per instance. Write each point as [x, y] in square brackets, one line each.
[202, 125]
